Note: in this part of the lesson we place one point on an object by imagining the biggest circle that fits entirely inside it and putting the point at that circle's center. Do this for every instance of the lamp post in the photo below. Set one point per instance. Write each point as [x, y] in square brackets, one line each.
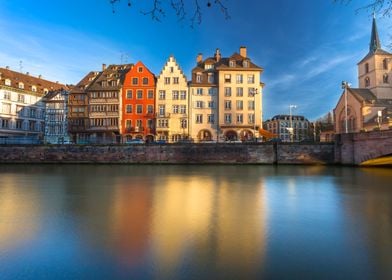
[291, 130]
[345, 85]
[379, 118]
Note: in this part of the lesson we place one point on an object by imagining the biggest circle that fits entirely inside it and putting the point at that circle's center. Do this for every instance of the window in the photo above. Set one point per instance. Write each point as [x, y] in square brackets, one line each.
[104, 83]
[167, 80]
[150, 94]
[140, 69]
[139, 94]
[251, 79]
[5, 123]
[232, 63]
[211, 104]
[251, 105]
[183, 95]
[162, 95]
[227, 105]
[163, 123]
[113, 83]
[212, 91]
[175, 94]
[210, 78]
[145, 81]
[385, 64]
[239, 78]
[251, 92]
[198, 78]
[33, 88]
[7, 95]
[162, 110]
[21, 85]
[367, 82]
[227, 91]
[175, 80]
[139, 109]
[240, 118]
[6, 108]
[175, 109]
[184, 123]
[171, 69]
[199, 118]
[385, 79]
[240, 105]
[19, 124]
[199, 91]
[182, 109]
[139, 123]
[227, 118]
[245, 63]
[227, 78]
[7, 82]
[129, 94]
[251, 118]
[129, 109]
[149, 123]
[32, 125]
[199, 104]
[211, 118]
[366, 67]
[240, 92]
[135, 81]
[33, 112]
[128, 124]
[150, 109]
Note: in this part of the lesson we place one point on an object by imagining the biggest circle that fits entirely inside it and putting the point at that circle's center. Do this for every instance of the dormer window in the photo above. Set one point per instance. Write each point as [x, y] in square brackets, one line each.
[34, 88]
[385, 64]
[367, 82]
[113, 83]
[245, 63]
[367, 68]
[231, 63]
[21, 85]
[46, 90]
[208, 66]
[7, 82]
[198, 78]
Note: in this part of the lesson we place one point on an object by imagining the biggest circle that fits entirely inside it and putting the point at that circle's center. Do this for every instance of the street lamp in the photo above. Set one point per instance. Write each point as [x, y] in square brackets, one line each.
[379, 118]
[291, 129]
[345, 85]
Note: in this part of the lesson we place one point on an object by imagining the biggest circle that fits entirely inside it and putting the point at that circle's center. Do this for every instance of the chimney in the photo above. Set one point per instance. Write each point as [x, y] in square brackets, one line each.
[103, 66]
[27, 73]
[39, 76]
[217, 55]
[243, 51]
[7, 67]
[199, 58]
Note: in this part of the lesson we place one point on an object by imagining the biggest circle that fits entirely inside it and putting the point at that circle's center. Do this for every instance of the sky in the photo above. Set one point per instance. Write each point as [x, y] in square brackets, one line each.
[306, 47]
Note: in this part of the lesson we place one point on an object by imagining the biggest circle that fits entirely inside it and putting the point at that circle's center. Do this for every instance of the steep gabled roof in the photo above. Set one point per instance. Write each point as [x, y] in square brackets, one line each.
[114, 73]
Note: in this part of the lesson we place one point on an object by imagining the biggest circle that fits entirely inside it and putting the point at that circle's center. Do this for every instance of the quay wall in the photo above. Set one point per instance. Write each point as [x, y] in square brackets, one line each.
[214, 153]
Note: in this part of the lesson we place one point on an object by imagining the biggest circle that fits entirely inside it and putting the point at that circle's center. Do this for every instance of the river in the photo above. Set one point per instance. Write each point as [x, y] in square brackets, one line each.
[195, 222]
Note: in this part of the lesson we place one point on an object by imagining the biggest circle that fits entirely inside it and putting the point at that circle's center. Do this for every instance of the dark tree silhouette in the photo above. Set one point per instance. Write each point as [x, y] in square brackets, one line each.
[383, 7]
[183, 9]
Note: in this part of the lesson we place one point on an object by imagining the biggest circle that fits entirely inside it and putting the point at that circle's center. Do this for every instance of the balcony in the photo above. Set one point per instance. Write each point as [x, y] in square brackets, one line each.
[104, 101]
[103, 114]
[134, 129]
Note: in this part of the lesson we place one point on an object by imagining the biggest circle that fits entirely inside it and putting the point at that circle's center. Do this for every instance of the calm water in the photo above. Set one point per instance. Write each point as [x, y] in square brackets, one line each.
[195, 222]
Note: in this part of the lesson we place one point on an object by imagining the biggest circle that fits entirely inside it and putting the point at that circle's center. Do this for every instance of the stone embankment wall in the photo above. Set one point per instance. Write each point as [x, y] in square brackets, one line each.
[257, 153]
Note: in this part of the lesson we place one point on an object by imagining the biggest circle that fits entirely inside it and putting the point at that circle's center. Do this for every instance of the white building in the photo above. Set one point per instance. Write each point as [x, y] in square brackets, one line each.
[22, 110]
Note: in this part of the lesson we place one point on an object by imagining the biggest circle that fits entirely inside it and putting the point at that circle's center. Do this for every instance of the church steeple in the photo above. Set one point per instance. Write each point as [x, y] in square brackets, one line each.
[374, 39]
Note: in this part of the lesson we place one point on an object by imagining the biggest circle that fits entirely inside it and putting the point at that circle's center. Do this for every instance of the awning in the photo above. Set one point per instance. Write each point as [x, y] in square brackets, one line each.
[267, 134]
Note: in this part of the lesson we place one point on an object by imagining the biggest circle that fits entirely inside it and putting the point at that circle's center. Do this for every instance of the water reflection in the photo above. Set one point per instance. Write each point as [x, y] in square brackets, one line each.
[168, 222]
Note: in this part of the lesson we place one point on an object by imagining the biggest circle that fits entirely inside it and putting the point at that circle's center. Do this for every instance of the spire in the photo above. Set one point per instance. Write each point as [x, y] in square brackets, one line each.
[374, 39]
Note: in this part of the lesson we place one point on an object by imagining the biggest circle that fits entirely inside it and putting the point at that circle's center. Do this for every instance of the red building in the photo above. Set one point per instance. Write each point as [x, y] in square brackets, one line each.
[138, 102]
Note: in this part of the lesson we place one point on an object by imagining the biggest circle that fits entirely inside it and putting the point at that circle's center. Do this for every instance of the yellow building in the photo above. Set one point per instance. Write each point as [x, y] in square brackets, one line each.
[226, 98]
[368, 107]
[172, 103]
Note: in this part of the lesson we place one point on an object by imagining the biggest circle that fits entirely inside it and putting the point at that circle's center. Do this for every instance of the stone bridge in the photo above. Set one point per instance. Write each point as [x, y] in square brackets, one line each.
[373, 147]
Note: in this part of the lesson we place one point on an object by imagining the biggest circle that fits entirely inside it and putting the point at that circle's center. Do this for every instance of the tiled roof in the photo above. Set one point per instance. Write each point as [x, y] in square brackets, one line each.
[85, 82]
[363, 94]
[111, 78]
[28, 81]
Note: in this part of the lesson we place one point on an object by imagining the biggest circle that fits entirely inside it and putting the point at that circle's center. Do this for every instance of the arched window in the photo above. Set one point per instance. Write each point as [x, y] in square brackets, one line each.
[367, 68]
[385, 78]
[21, 85]
[385, 64]
[367, 82]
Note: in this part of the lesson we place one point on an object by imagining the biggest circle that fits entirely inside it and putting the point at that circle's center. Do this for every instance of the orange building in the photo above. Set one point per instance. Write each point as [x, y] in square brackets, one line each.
[138, 101]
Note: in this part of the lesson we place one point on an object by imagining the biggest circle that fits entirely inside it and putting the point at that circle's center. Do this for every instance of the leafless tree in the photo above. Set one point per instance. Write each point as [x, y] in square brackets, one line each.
[383, 7]
[183, 9]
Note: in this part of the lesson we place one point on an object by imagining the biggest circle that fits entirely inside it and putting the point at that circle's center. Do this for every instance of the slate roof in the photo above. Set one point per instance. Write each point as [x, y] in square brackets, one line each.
[111, 78]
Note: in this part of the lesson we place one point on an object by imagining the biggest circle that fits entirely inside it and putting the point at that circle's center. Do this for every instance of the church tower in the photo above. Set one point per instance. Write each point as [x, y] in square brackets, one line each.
[375, 69]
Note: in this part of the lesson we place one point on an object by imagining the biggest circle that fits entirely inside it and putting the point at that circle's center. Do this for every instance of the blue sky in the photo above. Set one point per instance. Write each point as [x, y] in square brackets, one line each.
[306, 47]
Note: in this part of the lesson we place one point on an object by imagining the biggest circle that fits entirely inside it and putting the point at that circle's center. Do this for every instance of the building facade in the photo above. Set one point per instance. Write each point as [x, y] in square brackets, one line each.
[368, 107]
[138, 104]
[56, 120]
[282, 125]
[22, 113]
[172, 103]
[226, 98]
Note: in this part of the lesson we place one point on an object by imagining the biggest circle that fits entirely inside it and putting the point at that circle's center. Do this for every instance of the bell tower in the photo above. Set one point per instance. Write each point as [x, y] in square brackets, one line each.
[375, 69]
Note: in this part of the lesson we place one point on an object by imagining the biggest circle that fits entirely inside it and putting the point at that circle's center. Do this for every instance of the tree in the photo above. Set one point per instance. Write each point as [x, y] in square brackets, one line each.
[183, 9]
[383, 7]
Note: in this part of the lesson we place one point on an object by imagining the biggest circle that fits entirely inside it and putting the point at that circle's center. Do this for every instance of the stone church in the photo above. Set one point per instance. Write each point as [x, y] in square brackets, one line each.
[368, 107]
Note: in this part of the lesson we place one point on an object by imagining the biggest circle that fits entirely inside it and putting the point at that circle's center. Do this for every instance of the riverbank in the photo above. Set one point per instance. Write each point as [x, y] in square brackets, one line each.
[213, 153]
